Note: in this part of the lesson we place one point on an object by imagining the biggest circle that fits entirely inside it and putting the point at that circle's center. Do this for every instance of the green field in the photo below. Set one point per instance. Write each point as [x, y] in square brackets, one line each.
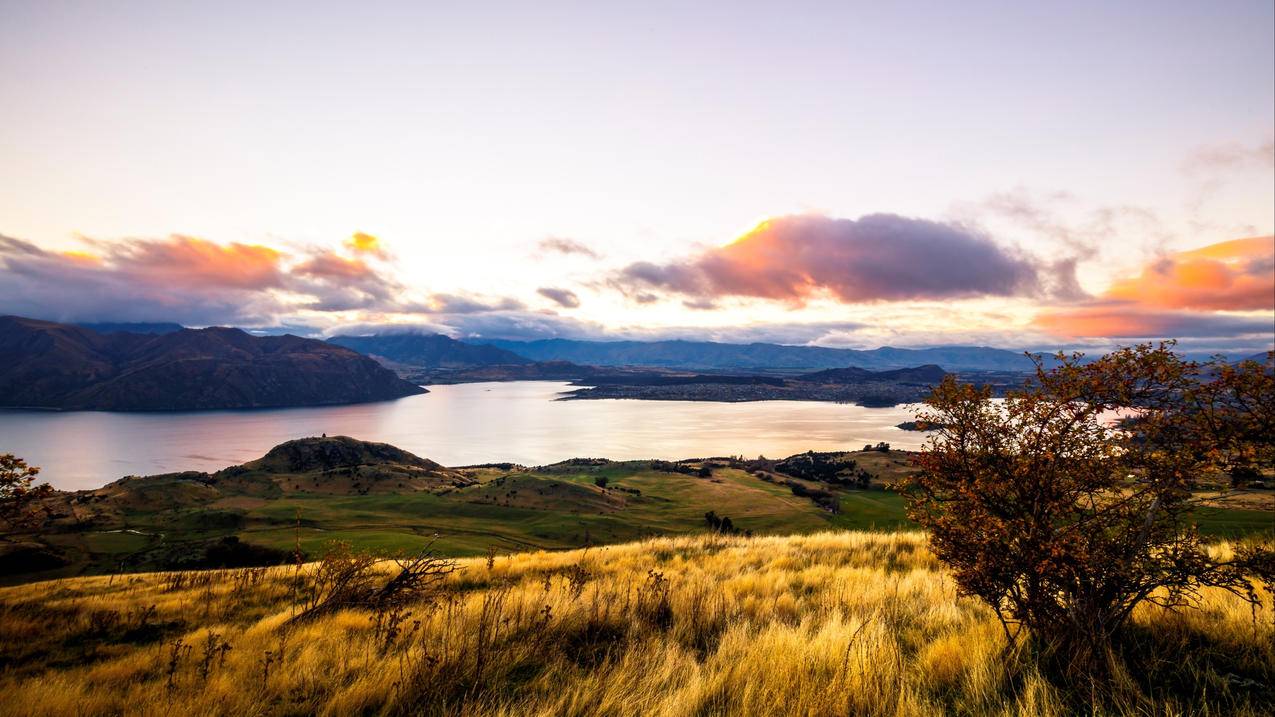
[160, 521]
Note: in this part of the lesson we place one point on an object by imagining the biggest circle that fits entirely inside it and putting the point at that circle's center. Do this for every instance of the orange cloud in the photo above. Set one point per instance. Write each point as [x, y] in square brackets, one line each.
[1235, 275]
[184, 261]
[1180, 294]
[191, 280]
[1127, 320]
[361, 243]
[82, 257]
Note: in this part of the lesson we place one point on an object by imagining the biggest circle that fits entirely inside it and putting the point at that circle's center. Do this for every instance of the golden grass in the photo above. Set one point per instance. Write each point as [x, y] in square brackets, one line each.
[831, 623]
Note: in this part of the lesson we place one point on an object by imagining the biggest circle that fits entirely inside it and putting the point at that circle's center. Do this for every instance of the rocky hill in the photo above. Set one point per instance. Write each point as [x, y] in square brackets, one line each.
[50, 365]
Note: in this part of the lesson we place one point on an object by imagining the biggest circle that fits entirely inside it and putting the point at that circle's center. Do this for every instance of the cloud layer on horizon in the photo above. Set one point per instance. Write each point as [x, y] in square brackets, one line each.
[889, 279]
[878, 257]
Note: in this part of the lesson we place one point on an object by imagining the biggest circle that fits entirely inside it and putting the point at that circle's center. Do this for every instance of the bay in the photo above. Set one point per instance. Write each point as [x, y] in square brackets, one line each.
[518, 422]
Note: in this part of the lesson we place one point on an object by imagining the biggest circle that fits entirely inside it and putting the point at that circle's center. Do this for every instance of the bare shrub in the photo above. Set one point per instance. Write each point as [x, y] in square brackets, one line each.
[346, 579]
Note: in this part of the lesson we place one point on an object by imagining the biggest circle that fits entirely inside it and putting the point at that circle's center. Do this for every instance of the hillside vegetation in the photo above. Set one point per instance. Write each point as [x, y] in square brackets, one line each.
[828, 623]
[383, 499]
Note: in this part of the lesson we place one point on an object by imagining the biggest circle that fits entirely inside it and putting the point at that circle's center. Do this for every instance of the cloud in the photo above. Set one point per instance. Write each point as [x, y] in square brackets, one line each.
[700, 304]
[176, 279]
[1234, 275]
[1229, 157]
[533, 325]
[188, 279]
[1180, 295]
[458, 304]
[1059, 218]
[562, 245]
[513, 325]
[563, 297]
[879, 257]
[1125, 320]
[361, 243]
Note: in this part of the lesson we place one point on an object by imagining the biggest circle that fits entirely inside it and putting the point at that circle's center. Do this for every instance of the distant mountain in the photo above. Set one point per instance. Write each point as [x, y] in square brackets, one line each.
[428, 351]
[708, 355]
[49, 365]
[927, 375]
[111, 327]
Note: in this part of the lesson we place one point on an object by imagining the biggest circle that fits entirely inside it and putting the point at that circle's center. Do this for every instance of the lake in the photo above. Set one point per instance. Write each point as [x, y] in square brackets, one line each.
[456, 425]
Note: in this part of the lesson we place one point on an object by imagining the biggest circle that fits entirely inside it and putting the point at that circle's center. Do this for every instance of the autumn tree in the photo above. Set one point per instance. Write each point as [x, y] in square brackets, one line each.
[1064, 519]
[18, 492]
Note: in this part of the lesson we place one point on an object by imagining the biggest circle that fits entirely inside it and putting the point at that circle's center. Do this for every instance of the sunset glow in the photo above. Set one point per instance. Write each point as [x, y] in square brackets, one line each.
[484, 180]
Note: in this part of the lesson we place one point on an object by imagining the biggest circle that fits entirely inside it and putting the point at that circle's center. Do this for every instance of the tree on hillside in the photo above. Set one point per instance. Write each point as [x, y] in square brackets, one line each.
[1062, 519]
[18, 492]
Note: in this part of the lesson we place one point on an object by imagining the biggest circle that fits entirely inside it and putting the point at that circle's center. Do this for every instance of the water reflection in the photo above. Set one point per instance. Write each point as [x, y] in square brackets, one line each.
[454, 425]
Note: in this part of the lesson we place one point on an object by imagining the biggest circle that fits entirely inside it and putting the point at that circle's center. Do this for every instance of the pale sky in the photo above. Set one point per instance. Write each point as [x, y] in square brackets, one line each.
[1114, 136]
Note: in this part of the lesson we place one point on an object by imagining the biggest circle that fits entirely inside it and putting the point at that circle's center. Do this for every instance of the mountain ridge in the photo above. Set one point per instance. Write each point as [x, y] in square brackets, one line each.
[428, 350]
[710, 355]
[45, 364]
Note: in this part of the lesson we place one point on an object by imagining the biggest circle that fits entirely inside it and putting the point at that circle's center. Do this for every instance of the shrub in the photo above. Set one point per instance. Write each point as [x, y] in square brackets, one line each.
[1062, 522]
[18, 492]
[346, 579]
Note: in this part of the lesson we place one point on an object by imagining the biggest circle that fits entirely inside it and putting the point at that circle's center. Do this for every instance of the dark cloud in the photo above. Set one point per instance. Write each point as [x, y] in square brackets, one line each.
[562, 297]
[562, 245]
[879, 257]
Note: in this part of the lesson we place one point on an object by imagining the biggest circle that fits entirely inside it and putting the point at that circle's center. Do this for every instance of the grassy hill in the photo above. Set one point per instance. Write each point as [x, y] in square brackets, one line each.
[380, 498]
[819, 624]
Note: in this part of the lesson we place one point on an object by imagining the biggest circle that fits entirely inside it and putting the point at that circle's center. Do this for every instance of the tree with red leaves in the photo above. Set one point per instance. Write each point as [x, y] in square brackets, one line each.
[1069, 503]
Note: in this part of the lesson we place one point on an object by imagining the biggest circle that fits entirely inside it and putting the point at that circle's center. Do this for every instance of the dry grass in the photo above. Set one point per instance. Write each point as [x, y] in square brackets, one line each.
[832, 623]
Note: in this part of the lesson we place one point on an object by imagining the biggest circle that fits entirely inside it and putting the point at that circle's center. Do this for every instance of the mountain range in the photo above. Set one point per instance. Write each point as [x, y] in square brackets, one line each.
[61, 366]
[428, 350]
[710, 355]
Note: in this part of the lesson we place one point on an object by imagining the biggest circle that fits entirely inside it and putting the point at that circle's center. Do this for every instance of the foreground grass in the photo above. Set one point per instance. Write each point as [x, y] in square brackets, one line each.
[827, 623]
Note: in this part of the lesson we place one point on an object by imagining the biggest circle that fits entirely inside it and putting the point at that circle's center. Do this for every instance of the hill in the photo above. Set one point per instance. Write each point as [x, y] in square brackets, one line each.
[708, 355]
[110, 327]
[927, 375]
[383, 498]
[308, 492]
[820, 624]
[529, 371]
[49, 365]
[428, 351]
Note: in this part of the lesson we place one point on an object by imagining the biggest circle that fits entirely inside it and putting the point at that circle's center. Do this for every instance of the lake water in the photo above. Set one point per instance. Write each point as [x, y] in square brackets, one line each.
[457, 425]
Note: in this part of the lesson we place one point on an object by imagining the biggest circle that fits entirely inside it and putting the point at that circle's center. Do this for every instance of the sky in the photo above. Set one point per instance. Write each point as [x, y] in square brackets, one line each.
[1043, 175]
